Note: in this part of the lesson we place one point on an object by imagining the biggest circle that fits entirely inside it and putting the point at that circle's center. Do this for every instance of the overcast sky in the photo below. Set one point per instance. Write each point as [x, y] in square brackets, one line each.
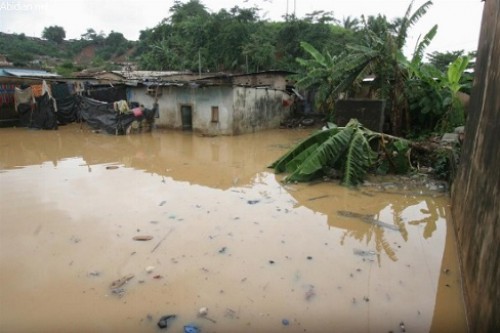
[458, 20]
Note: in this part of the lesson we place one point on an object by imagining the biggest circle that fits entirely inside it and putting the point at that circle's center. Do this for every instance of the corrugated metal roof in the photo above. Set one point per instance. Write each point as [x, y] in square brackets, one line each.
[22, 72]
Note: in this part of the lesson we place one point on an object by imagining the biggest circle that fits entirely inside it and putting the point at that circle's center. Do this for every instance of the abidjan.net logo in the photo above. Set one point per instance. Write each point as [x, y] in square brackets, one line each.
[19, 6]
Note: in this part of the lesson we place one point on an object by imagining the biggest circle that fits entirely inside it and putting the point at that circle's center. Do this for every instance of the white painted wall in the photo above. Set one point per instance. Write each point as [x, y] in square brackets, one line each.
[241, 109]
[201, 100]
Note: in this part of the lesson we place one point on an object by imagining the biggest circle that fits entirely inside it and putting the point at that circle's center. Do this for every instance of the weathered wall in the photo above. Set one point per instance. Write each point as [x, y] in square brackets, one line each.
[257, 109]
[200, 99]
[271, 80]
[476, 192]
[241, 109]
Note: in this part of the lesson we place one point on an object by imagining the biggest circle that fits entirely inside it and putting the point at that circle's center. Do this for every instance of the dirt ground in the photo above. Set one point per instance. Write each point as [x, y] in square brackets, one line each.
[219, 231]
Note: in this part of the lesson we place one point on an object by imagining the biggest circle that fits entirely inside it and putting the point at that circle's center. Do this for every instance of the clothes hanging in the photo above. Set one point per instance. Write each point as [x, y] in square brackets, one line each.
[23, 96]
[7, 94]
[37, 90]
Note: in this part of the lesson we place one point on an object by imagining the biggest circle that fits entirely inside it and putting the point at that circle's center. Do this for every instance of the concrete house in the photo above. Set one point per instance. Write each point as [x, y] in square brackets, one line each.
[219, 105]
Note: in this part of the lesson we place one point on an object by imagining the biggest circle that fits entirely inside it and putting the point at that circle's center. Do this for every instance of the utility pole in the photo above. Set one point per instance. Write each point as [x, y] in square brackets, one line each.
[286, 15]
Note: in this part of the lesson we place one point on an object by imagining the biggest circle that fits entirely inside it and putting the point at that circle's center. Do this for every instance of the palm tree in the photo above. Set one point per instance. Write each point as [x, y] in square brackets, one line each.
[381, 54]
[350, 23]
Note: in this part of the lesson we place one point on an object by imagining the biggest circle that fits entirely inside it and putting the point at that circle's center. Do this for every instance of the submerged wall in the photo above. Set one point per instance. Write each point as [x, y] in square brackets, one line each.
[200, 99]
[476, 190]
[257, 109]
[240, 109]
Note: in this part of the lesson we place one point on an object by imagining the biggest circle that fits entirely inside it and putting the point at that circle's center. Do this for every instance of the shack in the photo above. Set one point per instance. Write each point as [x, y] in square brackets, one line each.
[11, 79]
[219, 105]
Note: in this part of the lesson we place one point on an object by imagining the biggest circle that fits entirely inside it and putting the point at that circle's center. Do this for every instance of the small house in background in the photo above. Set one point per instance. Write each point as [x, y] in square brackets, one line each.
[4, 62]
[219, 105]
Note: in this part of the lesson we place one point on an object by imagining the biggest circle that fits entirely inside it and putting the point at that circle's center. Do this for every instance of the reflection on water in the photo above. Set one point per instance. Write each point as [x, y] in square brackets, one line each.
[227, 235]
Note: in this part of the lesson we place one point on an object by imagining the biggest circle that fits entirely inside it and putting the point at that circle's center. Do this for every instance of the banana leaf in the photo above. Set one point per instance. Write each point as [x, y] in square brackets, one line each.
[316, 138]
[359, 158]
[326, 153]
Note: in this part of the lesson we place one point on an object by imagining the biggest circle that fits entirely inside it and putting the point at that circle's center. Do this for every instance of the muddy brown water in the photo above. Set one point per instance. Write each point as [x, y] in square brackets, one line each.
[228, 235]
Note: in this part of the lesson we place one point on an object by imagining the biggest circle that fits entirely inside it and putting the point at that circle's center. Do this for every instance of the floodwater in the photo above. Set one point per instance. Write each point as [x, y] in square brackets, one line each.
[228, 235]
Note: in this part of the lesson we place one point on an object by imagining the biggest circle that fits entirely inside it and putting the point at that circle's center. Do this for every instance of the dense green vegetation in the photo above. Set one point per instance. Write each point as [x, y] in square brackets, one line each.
[422, 98]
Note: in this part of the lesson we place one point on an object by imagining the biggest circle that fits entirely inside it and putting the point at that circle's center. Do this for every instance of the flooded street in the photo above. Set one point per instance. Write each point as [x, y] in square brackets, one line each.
[227, 234]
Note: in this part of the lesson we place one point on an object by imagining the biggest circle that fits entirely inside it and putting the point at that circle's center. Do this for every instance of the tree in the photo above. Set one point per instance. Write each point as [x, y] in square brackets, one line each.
[54, 33]
[380, 53]
[441, 60]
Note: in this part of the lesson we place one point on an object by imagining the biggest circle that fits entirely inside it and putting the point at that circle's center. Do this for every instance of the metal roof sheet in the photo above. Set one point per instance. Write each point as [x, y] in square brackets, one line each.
[23, 72]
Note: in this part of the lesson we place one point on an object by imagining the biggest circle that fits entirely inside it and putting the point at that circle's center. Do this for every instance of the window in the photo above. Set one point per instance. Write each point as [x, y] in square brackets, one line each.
[215, 114]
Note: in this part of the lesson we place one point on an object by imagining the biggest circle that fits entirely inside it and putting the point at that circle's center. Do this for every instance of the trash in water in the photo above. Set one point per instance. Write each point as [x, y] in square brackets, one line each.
[150, 269]
[162, 203]
[285, 322]
[121, 281]
[310, 293]
[111, 167]
[202, 312]
[252, 202]
[142, 238]
[94, 273]
[191, 329]
[364, 253]
[120, 292]
[163, 322]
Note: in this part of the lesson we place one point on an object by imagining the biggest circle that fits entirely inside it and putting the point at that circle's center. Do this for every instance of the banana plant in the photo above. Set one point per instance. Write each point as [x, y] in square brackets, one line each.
[346, 150]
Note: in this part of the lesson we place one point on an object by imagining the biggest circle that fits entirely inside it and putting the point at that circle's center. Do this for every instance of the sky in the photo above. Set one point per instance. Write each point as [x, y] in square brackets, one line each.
[458, 20]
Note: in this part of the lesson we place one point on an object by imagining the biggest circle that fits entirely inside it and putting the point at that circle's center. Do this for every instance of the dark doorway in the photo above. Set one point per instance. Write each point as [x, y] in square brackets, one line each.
[187, 117]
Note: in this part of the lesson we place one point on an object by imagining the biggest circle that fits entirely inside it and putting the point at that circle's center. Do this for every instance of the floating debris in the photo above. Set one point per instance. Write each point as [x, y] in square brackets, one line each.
[223, 250]
[112, 167]
[120, 292]
[317, 198]
[285, 322]
[94, 273]
[252, 202]
[230, 313]
[191, 329]
[310, 293]
[163, 322]
[202, 312]
[143, 238]
[121, 281]
[364, 253]
[150, 269]
[162, 203]
[368, 218]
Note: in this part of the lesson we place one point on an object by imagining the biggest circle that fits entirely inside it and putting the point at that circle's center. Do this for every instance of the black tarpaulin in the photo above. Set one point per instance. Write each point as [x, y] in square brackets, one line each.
[60, 91]
[67, 109]
[109, 94]
[43, 116]
[24, 111]
[102, 116]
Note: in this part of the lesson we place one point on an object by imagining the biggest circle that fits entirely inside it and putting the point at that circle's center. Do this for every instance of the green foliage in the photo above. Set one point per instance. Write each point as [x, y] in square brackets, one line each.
[441, 60]
[235, 40]
[54, 33]
[348, 150]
